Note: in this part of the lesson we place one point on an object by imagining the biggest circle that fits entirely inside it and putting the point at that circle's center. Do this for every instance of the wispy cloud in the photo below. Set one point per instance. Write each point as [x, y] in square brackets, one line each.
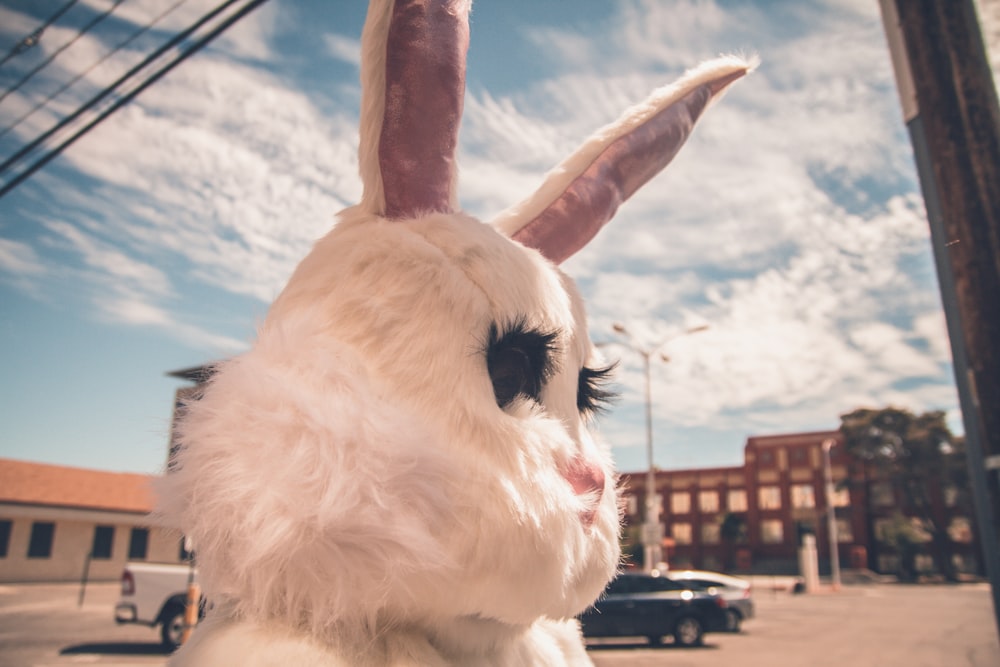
[136, 310]
[343, 48]
[17, 258]
[789, 223]
[106, 261]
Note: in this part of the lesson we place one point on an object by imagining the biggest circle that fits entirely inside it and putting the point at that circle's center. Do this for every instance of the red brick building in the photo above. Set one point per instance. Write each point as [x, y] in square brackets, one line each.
[751, 517]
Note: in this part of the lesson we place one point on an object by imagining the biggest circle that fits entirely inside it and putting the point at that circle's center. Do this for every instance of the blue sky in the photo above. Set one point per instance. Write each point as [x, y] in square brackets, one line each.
[791, 224]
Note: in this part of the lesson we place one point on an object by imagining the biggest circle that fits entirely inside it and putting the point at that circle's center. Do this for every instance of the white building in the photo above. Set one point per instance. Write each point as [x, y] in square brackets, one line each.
[60, 524]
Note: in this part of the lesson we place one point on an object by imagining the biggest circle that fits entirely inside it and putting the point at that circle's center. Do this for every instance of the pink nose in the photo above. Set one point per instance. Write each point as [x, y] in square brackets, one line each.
[586, 478]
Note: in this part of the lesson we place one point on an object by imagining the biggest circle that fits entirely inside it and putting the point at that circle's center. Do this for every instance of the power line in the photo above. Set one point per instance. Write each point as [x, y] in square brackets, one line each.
[24, 79]
[131, 38]
[184, 55]
[96, 99]
[33, 38]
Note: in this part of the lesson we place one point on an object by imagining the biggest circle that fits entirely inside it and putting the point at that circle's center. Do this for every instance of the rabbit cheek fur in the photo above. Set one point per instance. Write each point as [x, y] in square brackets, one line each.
[352, 477]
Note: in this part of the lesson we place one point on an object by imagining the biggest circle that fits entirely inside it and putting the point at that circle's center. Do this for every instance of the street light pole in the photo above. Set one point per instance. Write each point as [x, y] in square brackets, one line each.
[831, 516]
[652, 530]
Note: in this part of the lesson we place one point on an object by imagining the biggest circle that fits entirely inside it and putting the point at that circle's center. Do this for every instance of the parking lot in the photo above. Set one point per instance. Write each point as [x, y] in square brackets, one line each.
[878, 625]
[875, 625]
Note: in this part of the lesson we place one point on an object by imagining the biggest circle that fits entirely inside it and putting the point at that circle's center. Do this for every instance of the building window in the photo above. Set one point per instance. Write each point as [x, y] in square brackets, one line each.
[882, 495]
[889, 529]
[960, 530]
[186, 553]
[735, 527]
[767, 457]
[803, 528]
[883, 529]
[950, 496]
[5, 526]
[680, 503]
[708, 501]
[888, 563]
[710, 533]
[841, 496]
[772, 531]
[631, 505]
[924, 563]
[803, 496]
[844, 531]
[40, 543]
[104, 538]
[737, 500]
[681, 533]
[138, 544]
[769, 497]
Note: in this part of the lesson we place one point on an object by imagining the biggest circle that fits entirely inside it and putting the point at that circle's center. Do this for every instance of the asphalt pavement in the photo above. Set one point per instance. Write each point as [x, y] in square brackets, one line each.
[871, 625]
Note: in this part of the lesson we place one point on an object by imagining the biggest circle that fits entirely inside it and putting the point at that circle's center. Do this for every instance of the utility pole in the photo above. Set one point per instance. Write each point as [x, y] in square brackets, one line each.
[950, 109]
[831, 516]
[652, 529]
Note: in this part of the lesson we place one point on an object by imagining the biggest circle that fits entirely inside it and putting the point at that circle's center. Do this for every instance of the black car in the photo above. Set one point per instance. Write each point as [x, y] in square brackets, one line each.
[651, 606]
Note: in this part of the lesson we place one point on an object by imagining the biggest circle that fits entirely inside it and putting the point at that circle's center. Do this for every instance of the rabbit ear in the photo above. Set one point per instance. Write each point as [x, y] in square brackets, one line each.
[583, 193]
[413, 82]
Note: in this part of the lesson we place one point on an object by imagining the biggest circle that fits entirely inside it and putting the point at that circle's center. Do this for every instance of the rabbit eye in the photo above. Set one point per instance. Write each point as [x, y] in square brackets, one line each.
[519, 361]
[592, 395]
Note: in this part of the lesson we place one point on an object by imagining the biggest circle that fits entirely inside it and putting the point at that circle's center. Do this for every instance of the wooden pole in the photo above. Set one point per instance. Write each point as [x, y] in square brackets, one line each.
[950, 108]
[191, 610]
[84, 578]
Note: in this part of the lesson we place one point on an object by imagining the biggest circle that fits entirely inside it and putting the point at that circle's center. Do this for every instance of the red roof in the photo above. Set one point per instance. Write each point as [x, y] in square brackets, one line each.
[28, 483]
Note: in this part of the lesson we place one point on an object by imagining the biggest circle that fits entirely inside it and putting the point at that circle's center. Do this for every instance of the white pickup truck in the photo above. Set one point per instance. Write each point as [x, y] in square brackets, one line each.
[155, 594]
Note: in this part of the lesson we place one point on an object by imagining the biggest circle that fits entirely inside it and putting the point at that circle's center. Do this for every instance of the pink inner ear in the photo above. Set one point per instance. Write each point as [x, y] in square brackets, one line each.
[623, 167]
[424, 89]
[590, 199]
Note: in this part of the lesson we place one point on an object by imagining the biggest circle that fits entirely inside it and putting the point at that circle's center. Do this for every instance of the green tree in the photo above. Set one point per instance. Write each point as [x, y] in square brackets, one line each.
[916, 454]
[907, 539]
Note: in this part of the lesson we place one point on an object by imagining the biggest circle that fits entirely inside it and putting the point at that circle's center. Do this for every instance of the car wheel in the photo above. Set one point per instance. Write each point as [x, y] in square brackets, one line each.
[688, 632]
[733, 620]
[172, 628]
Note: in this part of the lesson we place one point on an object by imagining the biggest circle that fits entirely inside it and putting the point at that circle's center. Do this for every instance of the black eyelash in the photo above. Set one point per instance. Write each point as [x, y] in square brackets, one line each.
[519, 360]
[591, 396]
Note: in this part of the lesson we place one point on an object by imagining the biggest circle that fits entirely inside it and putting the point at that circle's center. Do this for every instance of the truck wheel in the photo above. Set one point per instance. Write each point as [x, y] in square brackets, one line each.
[688, 632]
[172, 628]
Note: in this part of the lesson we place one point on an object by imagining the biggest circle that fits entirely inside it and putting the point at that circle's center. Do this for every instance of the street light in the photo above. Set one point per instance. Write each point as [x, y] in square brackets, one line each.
[831, 516]
[652, 530]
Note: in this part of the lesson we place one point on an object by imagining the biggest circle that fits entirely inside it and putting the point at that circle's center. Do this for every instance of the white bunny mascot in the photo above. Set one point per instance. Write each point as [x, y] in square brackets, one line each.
[399, 471]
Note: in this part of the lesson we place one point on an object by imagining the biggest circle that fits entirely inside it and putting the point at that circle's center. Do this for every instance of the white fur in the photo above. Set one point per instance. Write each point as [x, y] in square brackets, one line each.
[354, 493]
[351, 482]
[225, 643]
[373, 56]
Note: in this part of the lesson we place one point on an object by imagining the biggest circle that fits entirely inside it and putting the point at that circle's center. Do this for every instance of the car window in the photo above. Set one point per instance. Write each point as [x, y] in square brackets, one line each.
[664, 584]
[656, 584]
[696, 584]
[619, 586]
[627, 584]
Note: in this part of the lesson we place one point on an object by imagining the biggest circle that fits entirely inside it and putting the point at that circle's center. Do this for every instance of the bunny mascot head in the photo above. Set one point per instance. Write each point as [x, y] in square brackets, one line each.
[399, 472]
